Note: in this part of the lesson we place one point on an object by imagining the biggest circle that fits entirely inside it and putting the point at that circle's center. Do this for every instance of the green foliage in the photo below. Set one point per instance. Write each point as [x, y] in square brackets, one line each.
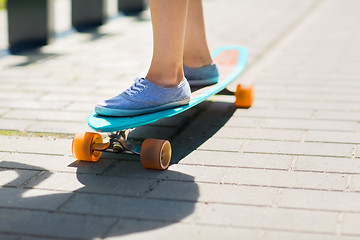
[2, 4]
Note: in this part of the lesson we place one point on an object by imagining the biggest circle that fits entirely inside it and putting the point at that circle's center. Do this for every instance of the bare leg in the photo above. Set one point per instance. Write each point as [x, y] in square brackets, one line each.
[196, 51]
[168, 21]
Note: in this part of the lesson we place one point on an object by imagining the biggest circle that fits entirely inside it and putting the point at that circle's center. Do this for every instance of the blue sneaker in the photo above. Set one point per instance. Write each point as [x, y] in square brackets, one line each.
[145, 97]
[202, 76]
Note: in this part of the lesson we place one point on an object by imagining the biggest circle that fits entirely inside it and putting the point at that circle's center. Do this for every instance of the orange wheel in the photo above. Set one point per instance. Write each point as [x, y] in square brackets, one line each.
[244, 96]
[82, 146]
[155, 154]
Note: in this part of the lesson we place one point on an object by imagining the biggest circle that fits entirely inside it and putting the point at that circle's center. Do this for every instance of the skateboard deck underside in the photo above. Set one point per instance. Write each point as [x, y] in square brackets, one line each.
[231, 62]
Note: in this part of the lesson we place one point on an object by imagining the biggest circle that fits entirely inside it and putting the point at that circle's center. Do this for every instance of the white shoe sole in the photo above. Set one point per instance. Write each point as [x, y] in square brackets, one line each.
[114, 112]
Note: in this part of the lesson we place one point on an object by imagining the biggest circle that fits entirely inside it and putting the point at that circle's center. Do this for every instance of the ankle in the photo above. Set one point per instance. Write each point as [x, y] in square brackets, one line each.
[164, 79]
[197, 61]
[165, 73]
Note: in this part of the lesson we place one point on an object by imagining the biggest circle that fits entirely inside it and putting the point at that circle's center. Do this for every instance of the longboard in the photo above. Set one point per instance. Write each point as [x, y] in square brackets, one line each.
[231, 62]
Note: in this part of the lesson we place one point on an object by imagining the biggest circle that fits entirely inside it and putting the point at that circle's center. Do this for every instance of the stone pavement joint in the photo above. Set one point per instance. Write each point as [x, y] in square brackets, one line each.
[287, 168]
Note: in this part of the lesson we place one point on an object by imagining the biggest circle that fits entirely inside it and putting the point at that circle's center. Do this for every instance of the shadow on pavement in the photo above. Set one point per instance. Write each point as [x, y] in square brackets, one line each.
[104, 206]
[115, 197]
[94, 33]
[33, 56]
[186, 131]
[213, 117]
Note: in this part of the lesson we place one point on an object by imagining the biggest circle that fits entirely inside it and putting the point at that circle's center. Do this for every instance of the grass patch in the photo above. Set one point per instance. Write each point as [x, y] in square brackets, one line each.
[35, 134]
[2, 4]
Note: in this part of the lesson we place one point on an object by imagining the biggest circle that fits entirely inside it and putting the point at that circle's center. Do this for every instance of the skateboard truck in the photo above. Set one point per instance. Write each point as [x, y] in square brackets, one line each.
[119, 142]
[154, 153]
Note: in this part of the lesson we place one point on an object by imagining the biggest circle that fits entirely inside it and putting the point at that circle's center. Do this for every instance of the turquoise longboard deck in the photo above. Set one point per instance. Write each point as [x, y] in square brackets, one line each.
[231, 62]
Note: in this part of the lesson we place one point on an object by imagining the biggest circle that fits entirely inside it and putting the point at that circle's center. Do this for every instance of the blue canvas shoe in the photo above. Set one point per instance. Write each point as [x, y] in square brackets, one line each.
[202, 76]
[145, 97]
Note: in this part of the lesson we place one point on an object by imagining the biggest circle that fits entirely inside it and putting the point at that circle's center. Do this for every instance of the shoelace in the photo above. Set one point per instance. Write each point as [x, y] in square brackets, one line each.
[137, 87]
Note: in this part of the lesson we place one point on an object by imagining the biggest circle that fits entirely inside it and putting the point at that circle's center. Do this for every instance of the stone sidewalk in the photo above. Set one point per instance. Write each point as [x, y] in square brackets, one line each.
[288, 168]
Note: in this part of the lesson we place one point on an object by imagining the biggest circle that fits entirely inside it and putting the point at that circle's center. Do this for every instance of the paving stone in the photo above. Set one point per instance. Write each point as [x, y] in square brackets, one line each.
[33, 104]
[133, 168]
[3, 111]
[48, 88]
[342, 97]
[350, 224]
[199, 173]
[52, 163]
[259, 134]
[308, 96]
[59, 127]
[274, 113]
[43, 145]
[174, 172]
[269, 218]
[355, 183]
[263, 104]
[357, 151]
[320, 200]
[86, 98]
[157, 230]
[32, 199]
[222, 144]
[38, 238]
[80, 107]
[15, 178]
[215, 193]
[240, 122]
[52, 224]
[276, 235]
[139, 208]
[92, 184]
[286, 179]
[9, 237]
[47, 115]
[334, 137]
[56, 181]
[310, 125]
[18, 95]
[295, 148]
[304, 105]
[338, 115]
[232, 159]
[15, 125]
[328, 164]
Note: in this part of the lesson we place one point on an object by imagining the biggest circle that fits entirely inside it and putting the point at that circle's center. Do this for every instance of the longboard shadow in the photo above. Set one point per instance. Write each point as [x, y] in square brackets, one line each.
[120, 199]
[105, 206]
[212, 118]
[186, 131]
